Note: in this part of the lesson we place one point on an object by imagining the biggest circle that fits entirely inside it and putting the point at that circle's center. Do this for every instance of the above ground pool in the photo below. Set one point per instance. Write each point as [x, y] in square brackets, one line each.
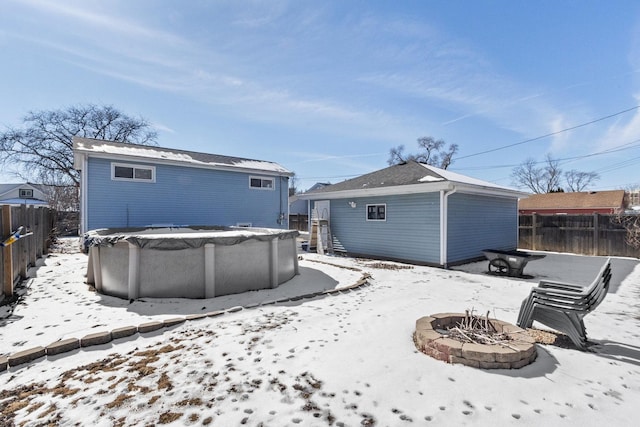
[189, 262]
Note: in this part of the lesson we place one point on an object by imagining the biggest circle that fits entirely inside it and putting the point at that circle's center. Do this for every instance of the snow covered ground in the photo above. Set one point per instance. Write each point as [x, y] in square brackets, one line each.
[339, 360]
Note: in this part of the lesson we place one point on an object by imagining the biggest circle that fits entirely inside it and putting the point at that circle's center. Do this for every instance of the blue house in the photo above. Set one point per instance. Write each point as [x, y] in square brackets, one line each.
[417, 213]
[130, 185]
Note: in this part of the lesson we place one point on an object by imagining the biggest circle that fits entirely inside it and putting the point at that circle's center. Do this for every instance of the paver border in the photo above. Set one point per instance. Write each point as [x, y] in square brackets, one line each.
[104, 337]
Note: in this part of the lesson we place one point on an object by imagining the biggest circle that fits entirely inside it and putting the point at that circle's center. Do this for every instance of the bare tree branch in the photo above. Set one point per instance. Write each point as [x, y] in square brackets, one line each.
[529, 175]
[431, 153]
[552, 174]
[546, 176]
[578, 181]
[43, 149]
[396, 155]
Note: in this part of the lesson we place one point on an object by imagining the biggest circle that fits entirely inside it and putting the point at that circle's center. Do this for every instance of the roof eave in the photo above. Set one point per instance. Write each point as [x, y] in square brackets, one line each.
[78, 152]
[430, 187]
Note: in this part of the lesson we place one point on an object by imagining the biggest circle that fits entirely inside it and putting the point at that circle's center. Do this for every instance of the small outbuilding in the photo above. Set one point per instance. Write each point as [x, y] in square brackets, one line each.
[417, 213]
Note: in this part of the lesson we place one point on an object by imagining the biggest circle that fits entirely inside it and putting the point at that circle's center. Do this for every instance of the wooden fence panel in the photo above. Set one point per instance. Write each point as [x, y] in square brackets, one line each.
[17, 258]
[299, 222]
[595, 234]
[5, 253]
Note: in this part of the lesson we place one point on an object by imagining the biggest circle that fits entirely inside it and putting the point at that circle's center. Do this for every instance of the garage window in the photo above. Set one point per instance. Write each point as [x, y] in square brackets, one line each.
[261, 183]
[377, 212]
[127, 172]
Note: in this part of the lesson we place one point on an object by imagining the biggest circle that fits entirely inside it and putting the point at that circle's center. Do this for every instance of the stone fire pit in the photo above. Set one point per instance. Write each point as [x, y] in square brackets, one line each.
[431, 338]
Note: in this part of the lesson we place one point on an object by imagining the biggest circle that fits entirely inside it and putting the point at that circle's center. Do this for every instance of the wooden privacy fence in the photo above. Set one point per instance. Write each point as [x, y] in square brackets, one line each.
[16, 258]
[596, 234]
[299, 222]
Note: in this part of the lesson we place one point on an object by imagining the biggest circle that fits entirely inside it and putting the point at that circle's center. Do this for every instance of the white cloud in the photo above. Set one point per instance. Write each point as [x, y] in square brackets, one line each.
[83, 14]
[624, 129]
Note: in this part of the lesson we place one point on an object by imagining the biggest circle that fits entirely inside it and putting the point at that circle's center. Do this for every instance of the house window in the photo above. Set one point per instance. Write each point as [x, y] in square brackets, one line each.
[26, 193]
[261, 183]
[377, 212]
[126, 172]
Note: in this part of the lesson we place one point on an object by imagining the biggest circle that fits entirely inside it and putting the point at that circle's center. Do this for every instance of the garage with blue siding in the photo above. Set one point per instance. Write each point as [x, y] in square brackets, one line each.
[420, 214]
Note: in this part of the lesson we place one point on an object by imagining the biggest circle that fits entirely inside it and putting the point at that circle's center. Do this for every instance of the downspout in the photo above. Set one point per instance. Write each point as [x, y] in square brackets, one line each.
[309, 217]
[444, 224]
[84, 194]
[281, 213]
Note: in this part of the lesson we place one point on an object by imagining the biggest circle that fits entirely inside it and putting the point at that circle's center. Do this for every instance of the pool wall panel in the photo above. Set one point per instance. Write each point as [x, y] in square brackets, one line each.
[126, 270]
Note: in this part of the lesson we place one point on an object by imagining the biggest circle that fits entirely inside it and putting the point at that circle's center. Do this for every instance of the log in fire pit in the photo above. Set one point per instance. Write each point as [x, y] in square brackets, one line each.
[474, 341]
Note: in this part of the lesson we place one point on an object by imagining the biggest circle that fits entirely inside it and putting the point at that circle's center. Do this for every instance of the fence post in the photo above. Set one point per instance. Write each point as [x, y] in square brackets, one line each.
[7, 253]
[596, 234]
[534, 227]
[46, 224]
[33, 256]
[37, 232]
[22, 244]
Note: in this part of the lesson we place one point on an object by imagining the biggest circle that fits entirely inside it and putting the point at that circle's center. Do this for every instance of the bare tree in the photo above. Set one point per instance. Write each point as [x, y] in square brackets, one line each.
[546, 176]
[431, 153]
[578, 181]
[552, 174]
[42, 150]
[293, 185]
[62, 198]
[538, 179]
[631, 224]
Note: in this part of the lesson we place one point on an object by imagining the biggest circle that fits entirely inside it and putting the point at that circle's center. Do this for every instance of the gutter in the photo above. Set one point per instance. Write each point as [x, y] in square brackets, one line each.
[421, 188]
[444, 223]
[174, 162]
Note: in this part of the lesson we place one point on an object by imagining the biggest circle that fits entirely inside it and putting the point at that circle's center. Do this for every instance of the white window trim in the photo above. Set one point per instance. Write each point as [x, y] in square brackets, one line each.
[25, 193]
[366, 212]
[262, 178]
[134, 166]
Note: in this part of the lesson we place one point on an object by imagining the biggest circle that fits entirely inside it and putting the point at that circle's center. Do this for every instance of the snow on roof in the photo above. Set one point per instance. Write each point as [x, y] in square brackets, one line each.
[97, 146]
[447, 175]
[409, 177]
[430, 178]
[26, 201]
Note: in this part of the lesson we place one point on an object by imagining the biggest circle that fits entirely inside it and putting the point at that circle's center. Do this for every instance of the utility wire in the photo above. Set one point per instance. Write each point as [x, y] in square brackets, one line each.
[550, 134]
[626, 146]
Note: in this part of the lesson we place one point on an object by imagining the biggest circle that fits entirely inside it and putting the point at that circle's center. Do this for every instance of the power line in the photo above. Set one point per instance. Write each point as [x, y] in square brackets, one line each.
[626, 146]
[612, 167]
[615, 166]
[550, 134]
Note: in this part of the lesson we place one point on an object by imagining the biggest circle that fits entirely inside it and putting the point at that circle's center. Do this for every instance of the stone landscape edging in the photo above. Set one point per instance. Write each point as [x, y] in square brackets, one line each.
[67, 345]
[517, 352]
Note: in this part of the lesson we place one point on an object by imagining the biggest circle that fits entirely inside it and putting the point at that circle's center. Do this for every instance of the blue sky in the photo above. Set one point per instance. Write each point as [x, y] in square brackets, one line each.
[327, 88]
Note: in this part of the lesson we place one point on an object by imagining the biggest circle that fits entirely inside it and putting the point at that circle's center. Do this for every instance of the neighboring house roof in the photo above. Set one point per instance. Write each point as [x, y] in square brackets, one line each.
[8, 188]
[10, 194]
[126, 151]
[318, 185]
[300, 206]
[586, 201]
[406, 178]
[22, 202]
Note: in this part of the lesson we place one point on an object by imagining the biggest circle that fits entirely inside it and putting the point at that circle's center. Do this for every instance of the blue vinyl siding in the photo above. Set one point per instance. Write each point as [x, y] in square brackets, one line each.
[480, 222]
[181, 196]
[411, 231]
